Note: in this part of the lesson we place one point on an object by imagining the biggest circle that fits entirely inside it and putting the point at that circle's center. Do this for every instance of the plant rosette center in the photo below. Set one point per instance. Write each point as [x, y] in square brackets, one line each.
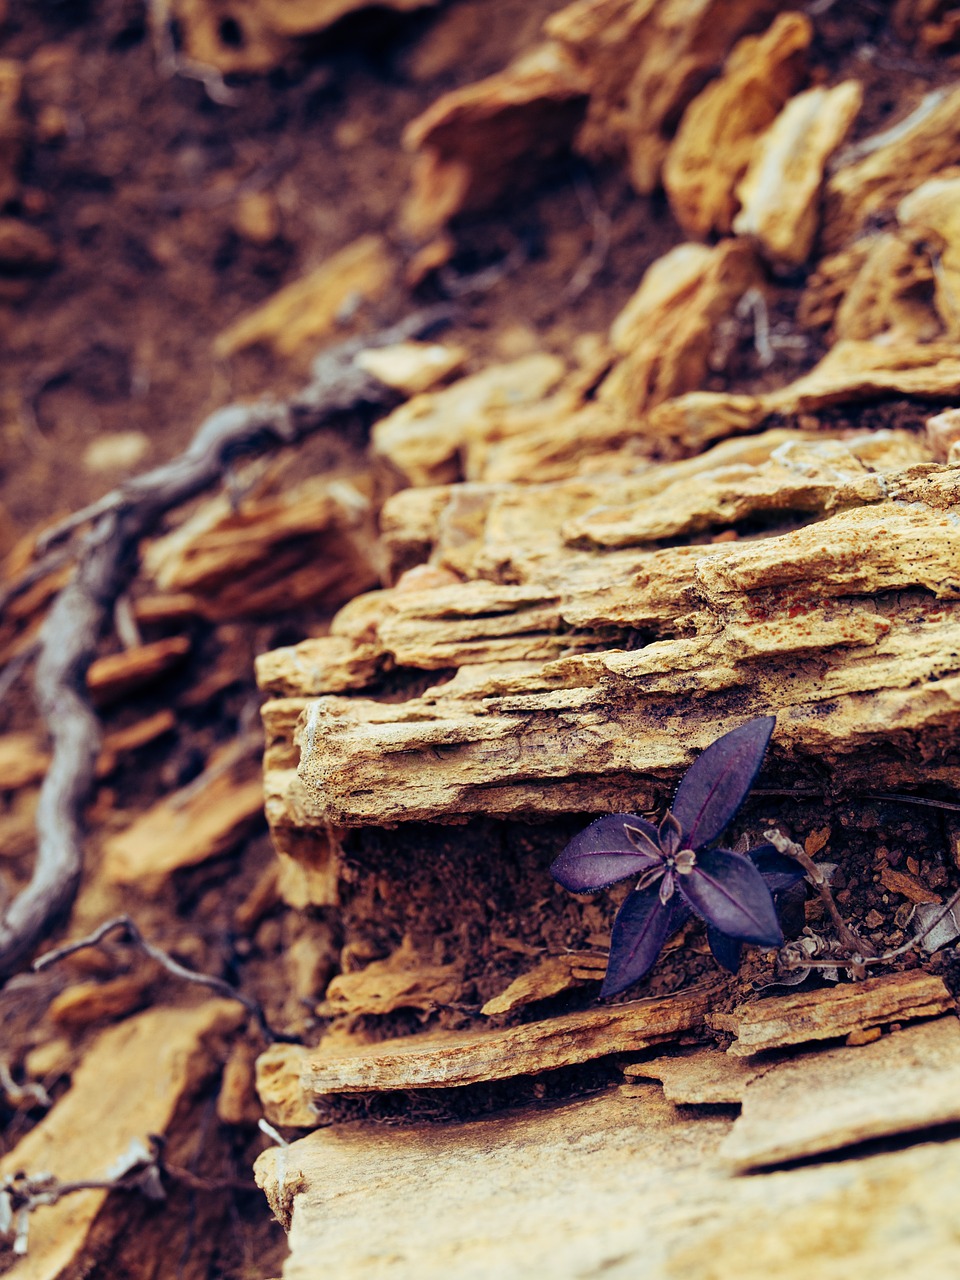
[677, 868]
[670, 858]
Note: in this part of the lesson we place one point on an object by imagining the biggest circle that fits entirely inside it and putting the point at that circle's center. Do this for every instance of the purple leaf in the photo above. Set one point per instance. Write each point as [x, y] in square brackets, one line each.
[716, 784]
[778, 870]
[728, 891]
[641, 928]
[603, 853]
[726, 951]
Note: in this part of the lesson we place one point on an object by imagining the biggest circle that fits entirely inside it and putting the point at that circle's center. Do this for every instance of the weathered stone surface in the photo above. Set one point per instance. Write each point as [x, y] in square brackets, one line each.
[719, 129]
[522, 1195]
[152, 1062]
[424, 438]
[631, 65]
[890, 293]
[646, 61]
[849, 373]
[943, 434]
[412, 367]
[907, 1080]
[23, 760]
[666, 331]
[552, 710]
[116, 675]
[832, 1012]
[780, 192]
[182, 830]
[292, 1077]
[706, 1076]
[274, 549]
[257, 35]
[84, 1004]
[479, 141]
[929, 214]
[524, 422]
[549, 977]
[307, 310]
[879, 171]
[402, 981]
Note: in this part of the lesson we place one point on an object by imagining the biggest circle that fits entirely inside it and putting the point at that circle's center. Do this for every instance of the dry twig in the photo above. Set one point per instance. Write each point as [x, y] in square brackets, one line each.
[141, 1168]
[106, 561]
[217, 985]
[858, 952]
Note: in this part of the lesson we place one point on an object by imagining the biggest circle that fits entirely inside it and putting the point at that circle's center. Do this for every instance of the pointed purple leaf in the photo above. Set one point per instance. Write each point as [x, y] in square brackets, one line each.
[726, 951]
[602, 854]
[640, 840]
[641, 928]
[728, 891]
[778, 870]
[670, 833]
[716, 784]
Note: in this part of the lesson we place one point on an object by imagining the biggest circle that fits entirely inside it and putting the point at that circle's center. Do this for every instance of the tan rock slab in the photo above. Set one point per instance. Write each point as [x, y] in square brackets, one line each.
[720, 128]
[443, 1060]
[943, 434]
[850, 372]
[423, 438]
[128, 1085]
[117, 674]
[706, 1076]
[645, 62]
[23, 760]
[548, 977]
[120, 742]
[833, 1011]
[780, 192]
[610, 1185]
[84, 1004]
[907, 886]
[402, 981]
[887, 292]
[880, 170]
[264, 31]
[182, 831]
[307, 310]
[289, 1077]
[929, 215]
[907, 1080]
[412, 367]
[482, 140]
[281, 545]
[666, 331]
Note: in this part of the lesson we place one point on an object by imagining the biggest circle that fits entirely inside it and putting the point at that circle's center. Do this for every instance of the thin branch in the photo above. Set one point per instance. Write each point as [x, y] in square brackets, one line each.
[602, 229]
[217, 985]
[925, 932]
[845, 934]
[31, 1094]
[12, 672]
[141, 1168]
[853, 945]
[107, 559]
[923, 801]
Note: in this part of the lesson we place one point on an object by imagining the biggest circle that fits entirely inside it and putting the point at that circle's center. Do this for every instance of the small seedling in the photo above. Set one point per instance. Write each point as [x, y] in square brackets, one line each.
[678, 871]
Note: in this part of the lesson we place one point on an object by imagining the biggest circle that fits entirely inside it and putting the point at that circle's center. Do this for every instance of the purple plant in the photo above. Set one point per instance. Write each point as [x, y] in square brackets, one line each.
[678, 873]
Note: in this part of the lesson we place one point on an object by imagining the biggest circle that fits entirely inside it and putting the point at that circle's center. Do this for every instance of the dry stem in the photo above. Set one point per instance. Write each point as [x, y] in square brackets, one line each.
[167, 962]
